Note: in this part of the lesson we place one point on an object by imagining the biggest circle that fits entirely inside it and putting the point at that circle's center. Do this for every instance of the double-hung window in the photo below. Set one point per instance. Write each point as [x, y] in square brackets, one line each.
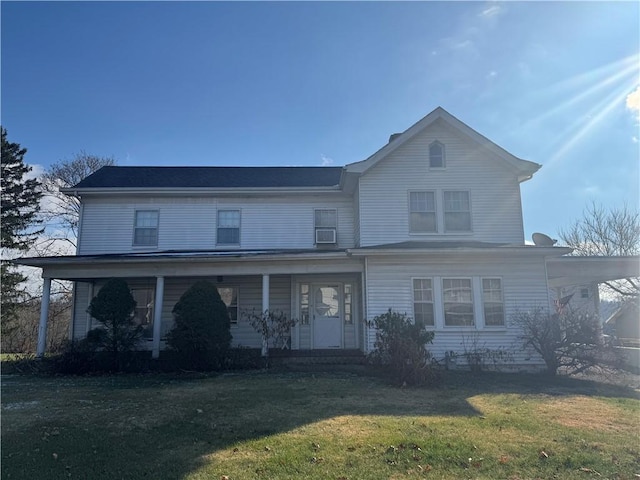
[457, 211]
[457, 296]
[493, 302]
[422, 212]
[229, 296]
[326, 223]
[423, 302]
[146, 228]
[228, 227]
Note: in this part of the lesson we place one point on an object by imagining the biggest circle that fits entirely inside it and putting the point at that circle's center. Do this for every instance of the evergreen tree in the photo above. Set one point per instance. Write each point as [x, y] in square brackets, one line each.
[201, 332]
[113, 307]
[20, 204]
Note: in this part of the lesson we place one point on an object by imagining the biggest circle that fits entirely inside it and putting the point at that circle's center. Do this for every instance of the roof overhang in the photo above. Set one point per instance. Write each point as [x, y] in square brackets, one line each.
[195, 191]
[578, 270]
[461, 249]
[194, 263]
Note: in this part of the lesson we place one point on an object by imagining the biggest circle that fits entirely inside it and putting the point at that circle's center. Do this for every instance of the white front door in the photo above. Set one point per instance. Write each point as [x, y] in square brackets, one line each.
[326, 316]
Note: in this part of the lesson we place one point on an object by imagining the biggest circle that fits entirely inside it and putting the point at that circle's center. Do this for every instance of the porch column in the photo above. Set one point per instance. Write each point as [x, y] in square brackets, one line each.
[44, 314]
[265, 308]
[157, 317]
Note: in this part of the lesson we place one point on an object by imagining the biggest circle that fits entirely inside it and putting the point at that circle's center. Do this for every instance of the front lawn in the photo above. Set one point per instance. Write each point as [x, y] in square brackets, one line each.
[281, 425]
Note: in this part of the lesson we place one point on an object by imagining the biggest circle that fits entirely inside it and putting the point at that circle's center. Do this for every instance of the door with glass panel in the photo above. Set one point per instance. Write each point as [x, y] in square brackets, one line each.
[326, 313]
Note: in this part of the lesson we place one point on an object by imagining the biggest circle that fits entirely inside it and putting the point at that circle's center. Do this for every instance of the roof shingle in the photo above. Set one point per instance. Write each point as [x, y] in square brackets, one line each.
[212, 177]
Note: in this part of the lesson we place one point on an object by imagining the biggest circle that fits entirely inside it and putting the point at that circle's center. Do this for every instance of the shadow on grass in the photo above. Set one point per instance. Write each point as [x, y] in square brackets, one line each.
[164, 426]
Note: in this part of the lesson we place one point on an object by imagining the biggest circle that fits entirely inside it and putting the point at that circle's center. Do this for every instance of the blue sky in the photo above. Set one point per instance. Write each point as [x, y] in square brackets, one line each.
[215, 83]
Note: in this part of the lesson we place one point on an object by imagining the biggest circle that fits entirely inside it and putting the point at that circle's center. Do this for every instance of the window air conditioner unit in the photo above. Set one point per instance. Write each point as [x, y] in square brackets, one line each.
[325, 235]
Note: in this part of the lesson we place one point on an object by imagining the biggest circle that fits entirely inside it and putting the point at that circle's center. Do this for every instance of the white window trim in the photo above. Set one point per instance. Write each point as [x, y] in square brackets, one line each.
[433, 302]
[436, 213]
[443, 213]
[474, 301]
[316, 227]
[218, 227]
[504, 307]
[135, 218]
[444, 156]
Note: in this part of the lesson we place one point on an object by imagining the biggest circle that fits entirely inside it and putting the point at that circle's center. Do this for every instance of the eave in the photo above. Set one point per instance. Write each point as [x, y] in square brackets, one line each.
[195, 191]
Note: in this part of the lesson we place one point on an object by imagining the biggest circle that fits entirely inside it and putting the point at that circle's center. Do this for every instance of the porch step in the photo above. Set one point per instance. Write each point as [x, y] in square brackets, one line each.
[316, 357]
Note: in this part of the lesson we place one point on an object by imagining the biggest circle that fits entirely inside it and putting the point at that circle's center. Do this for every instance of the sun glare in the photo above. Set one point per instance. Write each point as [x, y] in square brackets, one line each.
[600, 90]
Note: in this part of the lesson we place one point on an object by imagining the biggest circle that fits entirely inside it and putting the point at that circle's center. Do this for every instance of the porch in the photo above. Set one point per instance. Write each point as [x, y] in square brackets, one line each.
[321, 290]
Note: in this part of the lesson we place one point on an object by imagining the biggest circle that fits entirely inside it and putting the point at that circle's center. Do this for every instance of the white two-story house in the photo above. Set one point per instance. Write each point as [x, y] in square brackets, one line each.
[429, 225]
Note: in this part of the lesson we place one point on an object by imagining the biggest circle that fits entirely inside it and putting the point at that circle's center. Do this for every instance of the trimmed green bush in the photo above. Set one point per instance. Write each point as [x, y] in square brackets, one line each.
[113, 307]
[201, 332]
[400, 345]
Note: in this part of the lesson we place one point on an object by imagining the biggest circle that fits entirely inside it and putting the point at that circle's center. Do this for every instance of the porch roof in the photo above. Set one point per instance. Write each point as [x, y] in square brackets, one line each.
[194, 263]
[578, 270]
[457, 247]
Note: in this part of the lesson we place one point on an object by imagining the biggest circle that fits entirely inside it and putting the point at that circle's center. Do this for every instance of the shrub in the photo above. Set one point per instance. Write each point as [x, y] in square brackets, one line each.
[273, 326]
[401, 345]
[568, 341]
[113, 307]
[201, 332]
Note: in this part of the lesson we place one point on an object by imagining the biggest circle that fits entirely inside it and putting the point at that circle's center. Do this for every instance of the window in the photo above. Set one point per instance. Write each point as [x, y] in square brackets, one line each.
[493, 303]
[436, 155]
[229, 296]
[146, 228]
[457, 212]
[423, 302]
[422, 212]
[458, 302]
[304, 304]
[348, 303]
[143, 314]
[326, 222]
[584, 293]
[228, 227]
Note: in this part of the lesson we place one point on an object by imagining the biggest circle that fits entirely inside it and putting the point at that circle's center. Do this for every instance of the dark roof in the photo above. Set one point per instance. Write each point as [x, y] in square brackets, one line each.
[426, 244]
[212, 177]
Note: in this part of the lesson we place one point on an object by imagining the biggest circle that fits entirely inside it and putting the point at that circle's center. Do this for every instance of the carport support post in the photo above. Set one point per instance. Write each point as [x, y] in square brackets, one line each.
[44, 314]
[157, 317]
[265, 311]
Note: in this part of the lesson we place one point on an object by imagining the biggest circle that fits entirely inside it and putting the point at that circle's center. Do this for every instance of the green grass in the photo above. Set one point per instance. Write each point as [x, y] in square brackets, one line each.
[281, 425]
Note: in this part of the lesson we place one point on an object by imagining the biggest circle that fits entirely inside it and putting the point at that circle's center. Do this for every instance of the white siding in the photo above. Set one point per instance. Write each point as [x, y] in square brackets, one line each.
[523, 283]
[190, 223]
[496, 211]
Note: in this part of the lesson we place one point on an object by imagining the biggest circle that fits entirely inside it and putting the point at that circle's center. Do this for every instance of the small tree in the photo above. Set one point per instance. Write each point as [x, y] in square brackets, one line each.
[273, 326]
[401, 344]
[201, 331]
[568, 341]
[113, 307]
[62, 212]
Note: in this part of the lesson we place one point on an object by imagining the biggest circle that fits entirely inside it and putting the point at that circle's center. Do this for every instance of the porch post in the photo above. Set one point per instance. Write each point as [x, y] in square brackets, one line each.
[265, 308]
[44, 314]
[157, 317]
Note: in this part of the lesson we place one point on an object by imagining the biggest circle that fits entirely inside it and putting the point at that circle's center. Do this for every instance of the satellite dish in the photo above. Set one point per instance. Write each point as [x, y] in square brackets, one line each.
[542, 240]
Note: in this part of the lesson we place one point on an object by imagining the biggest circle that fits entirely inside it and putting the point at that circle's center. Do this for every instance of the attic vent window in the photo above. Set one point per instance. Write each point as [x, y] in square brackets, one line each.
[436, 155]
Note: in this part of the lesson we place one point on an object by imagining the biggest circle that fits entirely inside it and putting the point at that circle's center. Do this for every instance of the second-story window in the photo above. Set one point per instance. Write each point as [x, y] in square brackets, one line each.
[422, 212]
[326, 223]
[146, 228]
[457, 211]
[228, 227]
[436, 155]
